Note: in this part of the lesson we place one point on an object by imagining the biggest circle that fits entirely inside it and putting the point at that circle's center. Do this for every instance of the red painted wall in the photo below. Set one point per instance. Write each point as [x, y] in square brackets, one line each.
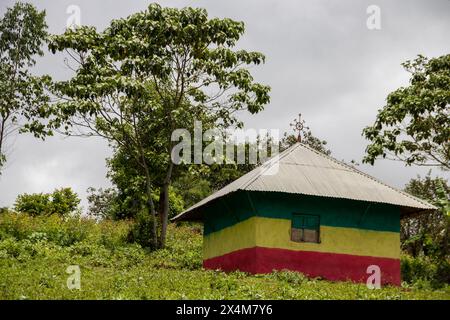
[314, 264]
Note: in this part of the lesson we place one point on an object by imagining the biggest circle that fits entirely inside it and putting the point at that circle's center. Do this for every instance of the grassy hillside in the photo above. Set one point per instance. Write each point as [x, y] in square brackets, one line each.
[35, 252]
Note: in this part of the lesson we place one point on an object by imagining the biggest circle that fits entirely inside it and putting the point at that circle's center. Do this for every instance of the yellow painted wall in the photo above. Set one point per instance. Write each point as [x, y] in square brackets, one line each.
[275, 233]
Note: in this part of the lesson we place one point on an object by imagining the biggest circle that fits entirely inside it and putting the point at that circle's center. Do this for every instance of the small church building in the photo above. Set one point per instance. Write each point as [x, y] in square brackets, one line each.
[307, 212]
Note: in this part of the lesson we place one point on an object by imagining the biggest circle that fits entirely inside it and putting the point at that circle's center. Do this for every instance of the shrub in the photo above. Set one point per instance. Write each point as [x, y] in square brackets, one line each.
[103, 203]
[35, 204]
[291, 277]
[113, 234]
[183, 248]
[424, 271]
[63, 231]
[37, 236]
[141, 231]
[129, 256]
[62, 202]
[442, 274]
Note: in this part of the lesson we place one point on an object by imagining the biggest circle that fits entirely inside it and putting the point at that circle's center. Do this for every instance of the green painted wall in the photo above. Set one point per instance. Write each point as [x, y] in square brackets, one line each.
[242, 205]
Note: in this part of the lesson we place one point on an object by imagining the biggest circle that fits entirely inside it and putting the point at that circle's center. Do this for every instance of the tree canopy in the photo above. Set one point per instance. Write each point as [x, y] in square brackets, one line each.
[22, 96]
[414, 125]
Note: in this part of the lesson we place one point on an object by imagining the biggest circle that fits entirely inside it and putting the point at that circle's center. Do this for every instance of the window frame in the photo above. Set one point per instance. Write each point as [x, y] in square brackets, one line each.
[305, 215]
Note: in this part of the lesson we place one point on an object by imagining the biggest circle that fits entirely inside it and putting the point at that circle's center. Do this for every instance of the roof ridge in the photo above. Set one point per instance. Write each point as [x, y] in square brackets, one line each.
[269, 163]
[353, 169]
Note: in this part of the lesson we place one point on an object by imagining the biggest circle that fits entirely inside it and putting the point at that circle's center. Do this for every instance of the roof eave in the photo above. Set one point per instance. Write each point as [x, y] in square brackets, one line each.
[194, 213]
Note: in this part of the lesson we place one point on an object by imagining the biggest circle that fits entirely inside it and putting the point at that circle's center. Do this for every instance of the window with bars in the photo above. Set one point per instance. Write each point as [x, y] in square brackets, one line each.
[305, 228]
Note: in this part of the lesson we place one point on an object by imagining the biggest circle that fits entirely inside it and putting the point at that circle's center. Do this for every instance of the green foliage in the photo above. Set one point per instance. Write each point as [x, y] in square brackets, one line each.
[62, 231]
[62, 201]
[428, 234]
[129, 201]
[435, 190]
[414, 125]
[425, 237]
[141, 232]
[425, 272]
[33, 204]
[291, 277]
[22, 97]
[103, 204]
[183, 251]
[33, 263]
[176, 202]
[159, 43]
[192, 188]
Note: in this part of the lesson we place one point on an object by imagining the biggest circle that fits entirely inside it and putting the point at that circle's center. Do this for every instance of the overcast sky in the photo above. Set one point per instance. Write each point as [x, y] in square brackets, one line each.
[322, 61]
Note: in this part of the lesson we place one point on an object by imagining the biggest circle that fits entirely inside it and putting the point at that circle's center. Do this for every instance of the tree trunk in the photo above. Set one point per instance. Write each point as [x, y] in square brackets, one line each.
[151, 206]
[2, 137]
[164, 206]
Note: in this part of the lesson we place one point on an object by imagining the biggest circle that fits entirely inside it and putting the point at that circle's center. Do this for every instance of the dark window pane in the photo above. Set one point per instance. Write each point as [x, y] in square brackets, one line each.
[296, 234]
[297, 221]
[311, 222]
[310, 235]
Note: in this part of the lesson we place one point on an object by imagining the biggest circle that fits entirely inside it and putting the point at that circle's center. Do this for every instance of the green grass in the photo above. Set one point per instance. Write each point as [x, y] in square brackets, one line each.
[35, 252]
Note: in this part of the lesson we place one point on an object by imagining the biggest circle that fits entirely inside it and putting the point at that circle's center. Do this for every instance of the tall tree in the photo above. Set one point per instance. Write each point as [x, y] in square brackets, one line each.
[414, 125]
[149, 74]
[22, 95]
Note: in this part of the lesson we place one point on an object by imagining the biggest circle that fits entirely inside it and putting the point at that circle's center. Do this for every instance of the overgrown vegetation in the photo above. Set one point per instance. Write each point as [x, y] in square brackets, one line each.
[425, 237]
[36, 251]
[425, 272]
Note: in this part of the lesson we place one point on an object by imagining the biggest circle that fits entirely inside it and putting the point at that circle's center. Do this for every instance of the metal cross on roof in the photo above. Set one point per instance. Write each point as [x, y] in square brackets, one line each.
[299, 125]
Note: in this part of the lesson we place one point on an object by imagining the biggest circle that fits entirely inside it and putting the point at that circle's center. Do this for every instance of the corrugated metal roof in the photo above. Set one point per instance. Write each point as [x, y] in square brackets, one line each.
[303, 170]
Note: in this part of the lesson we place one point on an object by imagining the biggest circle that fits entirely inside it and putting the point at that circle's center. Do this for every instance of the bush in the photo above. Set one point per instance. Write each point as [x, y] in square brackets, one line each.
[183, 248]
[442, 275]
[103, 203]
[62, 202]
[35, 204]
[63, 231]
[424, 271]
[112, 234]
[291, 277]
[141, 231]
